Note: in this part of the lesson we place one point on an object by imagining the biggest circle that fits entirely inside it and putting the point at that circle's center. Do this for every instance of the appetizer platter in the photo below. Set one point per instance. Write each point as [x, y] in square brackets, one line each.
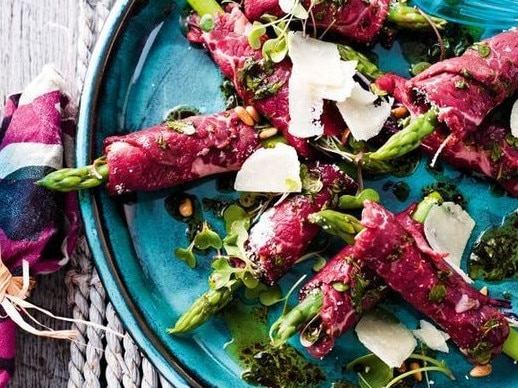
[304, 194]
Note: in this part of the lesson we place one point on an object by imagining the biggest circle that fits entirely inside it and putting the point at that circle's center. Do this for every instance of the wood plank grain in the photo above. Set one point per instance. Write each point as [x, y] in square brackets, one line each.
[32, 34]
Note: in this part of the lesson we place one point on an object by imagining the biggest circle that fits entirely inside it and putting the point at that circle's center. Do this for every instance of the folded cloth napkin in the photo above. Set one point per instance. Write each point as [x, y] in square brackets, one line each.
[38, 227]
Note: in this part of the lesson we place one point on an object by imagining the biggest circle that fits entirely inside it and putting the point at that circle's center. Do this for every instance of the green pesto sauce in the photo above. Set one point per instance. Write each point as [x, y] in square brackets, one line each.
[262, 364]
[448, 191]
[495, 255]
[401, 190]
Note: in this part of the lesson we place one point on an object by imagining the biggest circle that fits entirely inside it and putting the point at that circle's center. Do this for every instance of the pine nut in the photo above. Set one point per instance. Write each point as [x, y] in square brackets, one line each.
[483, 290]
[185, 209]
[268, 132]
[481, 370]
[253, 113]
[244, 116]
[418, 375]
[399, 112]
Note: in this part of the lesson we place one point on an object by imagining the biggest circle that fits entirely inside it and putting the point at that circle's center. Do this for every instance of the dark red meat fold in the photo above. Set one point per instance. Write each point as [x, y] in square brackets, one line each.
[356, 20]
[388, 246]
[283, 233]
[341, 309]
[170, 154]
[490, 151]
[228, 45]
[466, 90]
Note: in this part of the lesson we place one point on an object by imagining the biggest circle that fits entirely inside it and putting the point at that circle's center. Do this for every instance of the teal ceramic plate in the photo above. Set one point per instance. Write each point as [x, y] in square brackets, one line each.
[142, 67]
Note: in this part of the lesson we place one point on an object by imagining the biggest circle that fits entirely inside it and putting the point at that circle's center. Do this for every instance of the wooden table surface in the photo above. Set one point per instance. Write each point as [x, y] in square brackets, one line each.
[33, 33]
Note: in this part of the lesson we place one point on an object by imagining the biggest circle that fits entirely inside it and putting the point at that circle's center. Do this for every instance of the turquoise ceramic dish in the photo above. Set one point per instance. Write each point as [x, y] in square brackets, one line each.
[142, 67]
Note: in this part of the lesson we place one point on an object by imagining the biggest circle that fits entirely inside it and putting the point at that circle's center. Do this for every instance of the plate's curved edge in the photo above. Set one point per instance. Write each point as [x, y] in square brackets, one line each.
[118, 295]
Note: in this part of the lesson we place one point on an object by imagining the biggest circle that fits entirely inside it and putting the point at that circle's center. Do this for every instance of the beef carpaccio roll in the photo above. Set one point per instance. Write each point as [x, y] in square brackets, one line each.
[283, 233]
[263, 85]
[176, 152]
[392, 246]
[342, 308]
[279, 238]
[464, 89]
[357, 20]
[491, 151]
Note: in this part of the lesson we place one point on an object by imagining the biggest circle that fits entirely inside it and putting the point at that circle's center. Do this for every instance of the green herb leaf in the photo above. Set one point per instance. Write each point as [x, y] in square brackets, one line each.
[185, 254]
[319, 264]
[275, 49]
[222, 273]
[437, 293]
[207, 238]
[235, 213]
[248, 278]
[254, 38]
[270, 296]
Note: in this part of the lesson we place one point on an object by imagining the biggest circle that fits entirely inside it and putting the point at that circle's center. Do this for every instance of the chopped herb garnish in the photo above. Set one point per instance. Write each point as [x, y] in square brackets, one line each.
[185, 127]
[483, 49]
[437, 293]
[462, 84]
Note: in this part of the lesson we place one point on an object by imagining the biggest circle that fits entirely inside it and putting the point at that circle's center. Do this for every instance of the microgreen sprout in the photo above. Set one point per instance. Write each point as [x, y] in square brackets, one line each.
[275, 49]
[206, 238]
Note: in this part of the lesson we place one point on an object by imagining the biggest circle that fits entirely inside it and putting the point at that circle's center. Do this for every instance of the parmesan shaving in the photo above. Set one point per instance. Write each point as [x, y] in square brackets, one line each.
[447, 228]
[318, 73]
[270, 170]
[432, 337]
[363, 117]
[390, 340]
[293, 7]
[514, 119]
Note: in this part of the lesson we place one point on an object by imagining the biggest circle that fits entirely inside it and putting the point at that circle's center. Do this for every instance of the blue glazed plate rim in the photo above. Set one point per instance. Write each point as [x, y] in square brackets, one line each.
[118, 293]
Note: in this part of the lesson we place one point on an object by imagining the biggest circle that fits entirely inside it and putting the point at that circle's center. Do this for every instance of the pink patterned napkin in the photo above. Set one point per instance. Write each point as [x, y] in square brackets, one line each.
[38, 227]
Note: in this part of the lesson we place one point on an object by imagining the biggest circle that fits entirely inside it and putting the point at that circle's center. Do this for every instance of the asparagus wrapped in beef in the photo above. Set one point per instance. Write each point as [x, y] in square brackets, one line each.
[356, 20]
[396, 249]
[258, 82]
[275, 242]
[491, 151]
[463, 89]
[284, 232]
[463, 93]
[335, 298]
[165, 155]
[347, 288]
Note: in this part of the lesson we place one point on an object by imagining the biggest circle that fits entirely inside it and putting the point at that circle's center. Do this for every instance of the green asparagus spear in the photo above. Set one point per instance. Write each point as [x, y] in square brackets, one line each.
[364, 66]
[511, 345]
[305, 311]
[202, 7]
[338, 224]
[71, 179]
[404, 16]
[408, 139]
[205, 307]
[309, 308]
[346, 202]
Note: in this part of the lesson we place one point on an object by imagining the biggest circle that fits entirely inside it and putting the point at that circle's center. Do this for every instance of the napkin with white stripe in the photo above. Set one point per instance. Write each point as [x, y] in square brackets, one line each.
[38, 227]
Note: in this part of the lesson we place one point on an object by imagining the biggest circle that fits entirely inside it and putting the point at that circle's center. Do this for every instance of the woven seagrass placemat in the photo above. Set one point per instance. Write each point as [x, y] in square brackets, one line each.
[99, 359]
